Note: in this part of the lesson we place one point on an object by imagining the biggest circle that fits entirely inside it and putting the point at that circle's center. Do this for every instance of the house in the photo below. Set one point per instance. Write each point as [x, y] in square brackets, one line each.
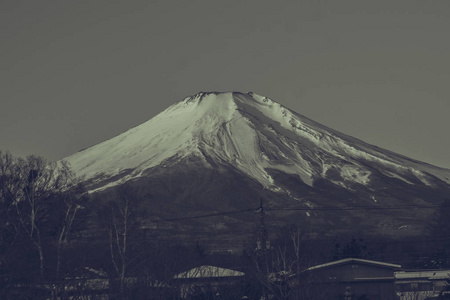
[206, 280]
[348, 279]
[420, 284]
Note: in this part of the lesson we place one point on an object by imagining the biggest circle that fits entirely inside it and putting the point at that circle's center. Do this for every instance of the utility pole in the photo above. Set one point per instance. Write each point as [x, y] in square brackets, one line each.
[262, 248]
[263, 243]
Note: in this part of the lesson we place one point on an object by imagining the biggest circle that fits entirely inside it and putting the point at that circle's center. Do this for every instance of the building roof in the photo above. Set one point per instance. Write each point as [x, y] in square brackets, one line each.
[209, 272]
[352, 261]
[421, 274]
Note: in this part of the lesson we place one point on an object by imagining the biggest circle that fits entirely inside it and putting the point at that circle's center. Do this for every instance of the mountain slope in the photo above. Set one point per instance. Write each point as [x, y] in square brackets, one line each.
[250, 132]
[251, 144]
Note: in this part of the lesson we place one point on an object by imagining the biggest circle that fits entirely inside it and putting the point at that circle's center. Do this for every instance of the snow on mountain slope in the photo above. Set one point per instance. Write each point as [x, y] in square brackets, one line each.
[253, 134]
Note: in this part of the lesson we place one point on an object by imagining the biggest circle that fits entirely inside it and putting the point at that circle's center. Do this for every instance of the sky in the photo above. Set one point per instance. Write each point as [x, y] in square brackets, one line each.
[76, 73]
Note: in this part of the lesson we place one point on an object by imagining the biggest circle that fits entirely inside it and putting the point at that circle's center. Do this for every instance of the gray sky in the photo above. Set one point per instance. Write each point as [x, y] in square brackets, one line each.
[75, 73]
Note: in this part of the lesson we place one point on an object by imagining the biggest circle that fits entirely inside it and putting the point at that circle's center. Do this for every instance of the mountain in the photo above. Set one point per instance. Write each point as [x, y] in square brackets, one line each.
[221, 152]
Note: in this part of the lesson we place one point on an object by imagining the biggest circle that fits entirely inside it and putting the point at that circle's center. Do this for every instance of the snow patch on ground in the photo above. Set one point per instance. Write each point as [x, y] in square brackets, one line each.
[325, 168]
[394, 175]
[355, 174]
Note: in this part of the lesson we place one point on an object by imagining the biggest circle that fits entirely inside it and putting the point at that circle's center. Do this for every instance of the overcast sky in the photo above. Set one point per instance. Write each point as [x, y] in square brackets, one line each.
[75, 73]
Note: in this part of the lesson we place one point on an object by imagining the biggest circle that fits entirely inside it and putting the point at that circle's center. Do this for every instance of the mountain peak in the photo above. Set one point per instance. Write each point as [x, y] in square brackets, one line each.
[202, 94]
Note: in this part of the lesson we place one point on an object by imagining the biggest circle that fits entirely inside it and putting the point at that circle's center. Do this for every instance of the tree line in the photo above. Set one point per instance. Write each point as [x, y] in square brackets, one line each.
[40, 204]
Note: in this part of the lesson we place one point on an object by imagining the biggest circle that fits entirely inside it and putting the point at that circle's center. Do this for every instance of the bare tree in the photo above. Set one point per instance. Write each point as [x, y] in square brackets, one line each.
[63, 215]
[30, 185]
[277, 266]
[7, 171]
[8, 226]
[163, 261]
[70, 204]
[121, 221]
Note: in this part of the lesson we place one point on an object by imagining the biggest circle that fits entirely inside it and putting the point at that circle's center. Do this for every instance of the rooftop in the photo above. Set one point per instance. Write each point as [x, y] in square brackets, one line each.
[354, 260]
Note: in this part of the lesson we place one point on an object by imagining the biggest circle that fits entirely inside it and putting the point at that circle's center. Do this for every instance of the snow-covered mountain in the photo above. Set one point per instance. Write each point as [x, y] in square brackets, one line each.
[269, 147]
[251, 133]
